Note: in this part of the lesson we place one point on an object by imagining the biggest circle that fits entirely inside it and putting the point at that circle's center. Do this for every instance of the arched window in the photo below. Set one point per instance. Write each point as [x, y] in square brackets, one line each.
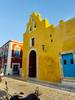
[17, 52]
[34, 25]
[32, 42]
[30, 29]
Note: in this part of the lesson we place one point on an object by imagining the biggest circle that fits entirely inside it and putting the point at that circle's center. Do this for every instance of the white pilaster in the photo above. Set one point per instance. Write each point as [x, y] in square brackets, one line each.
[9, 70]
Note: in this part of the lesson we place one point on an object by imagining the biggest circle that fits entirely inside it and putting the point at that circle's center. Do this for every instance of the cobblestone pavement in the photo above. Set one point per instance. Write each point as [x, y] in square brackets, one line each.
[47, 93]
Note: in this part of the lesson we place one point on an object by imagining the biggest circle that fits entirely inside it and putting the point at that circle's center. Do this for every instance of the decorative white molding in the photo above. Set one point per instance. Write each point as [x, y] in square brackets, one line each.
[28, 63]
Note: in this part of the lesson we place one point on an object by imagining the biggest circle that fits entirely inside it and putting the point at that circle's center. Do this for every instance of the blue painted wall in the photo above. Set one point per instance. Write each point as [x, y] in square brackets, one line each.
[68, 65]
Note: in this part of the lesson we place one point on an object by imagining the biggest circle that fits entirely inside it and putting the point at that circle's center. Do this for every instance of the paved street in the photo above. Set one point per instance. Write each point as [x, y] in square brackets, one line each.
[47, 93]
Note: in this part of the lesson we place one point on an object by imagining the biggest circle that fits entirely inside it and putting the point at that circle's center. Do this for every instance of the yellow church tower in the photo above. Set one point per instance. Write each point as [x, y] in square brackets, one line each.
[41, 46]
[48, 50]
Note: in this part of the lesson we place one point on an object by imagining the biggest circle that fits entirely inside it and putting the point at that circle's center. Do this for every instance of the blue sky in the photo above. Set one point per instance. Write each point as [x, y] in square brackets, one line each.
[14, 15]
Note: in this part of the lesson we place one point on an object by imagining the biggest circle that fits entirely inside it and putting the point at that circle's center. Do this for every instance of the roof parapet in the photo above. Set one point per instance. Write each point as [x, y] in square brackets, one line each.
[46, 23]
[61, 22]
[37, 15]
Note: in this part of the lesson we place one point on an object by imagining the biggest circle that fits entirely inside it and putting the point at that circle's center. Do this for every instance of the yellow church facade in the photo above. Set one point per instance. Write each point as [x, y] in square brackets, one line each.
[45, 47]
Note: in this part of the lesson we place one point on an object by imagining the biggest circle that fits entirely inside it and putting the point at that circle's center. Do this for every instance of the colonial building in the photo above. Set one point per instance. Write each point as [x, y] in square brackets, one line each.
[11, 57]
[48, 50]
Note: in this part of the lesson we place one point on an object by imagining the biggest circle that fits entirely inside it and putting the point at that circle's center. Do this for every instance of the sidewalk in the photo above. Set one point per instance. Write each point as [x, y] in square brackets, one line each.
[65, 85]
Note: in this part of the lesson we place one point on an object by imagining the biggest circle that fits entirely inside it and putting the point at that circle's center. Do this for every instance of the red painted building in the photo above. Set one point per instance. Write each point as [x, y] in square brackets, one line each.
[11, 57]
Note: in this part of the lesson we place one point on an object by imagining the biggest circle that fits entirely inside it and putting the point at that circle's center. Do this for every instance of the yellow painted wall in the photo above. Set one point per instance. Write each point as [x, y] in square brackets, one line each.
[69, 38]
[48, 61]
